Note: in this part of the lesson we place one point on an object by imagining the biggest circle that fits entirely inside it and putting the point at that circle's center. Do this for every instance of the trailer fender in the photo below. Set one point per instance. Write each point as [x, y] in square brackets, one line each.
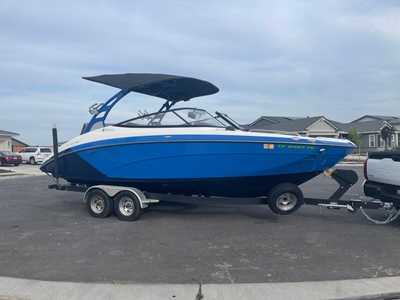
[112, 191]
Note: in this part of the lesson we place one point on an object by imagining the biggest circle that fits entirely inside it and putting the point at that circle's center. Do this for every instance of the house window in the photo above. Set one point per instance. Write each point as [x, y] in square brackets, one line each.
[372, 140]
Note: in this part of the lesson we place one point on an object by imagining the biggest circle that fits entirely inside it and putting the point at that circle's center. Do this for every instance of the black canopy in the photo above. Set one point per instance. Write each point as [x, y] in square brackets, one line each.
[170, 87]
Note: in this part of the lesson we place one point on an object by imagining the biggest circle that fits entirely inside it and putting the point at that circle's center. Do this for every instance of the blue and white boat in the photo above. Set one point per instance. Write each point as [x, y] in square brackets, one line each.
[187, 151]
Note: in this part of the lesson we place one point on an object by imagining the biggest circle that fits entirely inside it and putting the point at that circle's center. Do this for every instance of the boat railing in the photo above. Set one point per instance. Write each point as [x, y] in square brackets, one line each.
[275, 131]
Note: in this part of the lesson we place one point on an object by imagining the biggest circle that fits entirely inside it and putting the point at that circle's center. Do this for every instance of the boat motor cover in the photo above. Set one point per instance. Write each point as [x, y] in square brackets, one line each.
[169, 87]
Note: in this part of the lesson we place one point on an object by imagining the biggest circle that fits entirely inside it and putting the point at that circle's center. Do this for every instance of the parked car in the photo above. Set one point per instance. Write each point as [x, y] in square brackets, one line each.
[10, 158]
[34, 155]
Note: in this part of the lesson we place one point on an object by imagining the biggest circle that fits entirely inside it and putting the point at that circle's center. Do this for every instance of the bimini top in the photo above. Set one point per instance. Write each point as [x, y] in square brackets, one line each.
[170, 87]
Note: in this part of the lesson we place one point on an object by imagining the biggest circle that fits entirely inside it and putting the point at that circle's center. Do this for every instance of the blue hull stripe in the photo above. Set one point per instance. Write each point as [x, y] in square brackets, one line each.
[174, 160]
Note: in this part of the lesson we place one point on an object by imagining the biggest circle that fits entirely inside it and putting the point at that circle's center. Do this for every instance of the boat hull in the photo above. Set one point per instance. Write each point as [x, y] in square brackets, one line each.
[225, 166]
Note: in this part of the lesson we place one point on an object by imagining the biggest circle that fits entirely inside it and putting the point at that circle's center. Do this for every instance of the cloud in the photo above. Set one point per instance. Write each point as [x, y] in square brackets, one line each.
[286, 58]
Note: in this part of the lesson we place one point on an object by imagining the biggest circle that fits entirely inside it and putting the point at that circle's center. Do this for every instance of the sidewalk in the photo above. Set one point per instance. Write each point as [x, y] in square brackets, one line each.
[6, 173]
[353, 159]
[21, 170]
[377, 288]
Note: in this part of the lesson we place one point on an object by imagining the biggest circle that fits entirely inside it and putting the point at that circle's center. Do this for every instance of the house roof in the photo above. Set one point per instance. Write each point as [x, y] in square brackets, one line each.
[8, 133]
[267, 120]
[367, 118]
[295, 124]
[369, 126]
[16, 142]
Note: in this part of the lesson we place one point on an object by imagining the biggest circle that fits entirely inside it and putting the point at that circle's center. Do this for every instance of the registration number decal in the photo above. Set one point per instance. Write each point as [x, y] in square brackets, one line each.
[269, 146]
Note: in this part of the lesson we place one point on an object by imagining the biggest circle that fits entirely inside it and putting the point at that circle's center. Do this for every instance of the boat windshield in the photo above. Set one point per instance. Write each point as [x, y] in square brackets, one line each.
[175, 117]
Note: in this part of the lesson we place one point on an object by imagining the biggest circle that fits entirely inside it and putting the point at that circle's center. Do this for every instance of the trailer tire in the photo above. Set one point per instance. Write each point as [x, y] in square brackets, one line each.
[127, 206]
[285, 198]
[99, 204]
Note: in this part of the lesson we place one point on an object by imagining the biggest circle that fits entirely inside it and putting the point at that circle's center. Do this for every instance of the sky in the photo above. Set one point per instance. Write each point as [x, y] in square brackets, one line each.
[338, 59]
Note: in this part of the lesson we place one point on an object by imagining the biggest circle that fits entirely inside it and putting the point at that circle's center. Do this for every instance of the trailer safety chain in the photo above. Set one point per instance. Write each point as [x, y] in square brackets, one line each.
[391, 217]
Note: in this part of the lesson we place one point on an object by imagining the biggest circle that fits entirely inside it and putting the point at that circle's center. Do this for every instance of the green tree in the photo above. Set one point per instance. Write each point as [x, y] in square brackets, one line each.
[354, 136]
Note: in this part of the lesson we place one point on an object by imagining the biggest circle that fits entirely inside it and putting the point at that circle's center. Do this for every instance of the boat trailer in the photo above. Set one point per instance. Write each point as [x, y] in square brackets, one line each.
[283, 199]
[129, 202]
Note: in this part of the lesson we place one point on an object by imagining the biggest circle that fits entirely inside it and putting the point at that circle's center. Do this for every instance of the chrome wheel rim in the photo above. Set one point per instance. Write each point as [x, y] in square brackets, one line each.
[126, 206]
[97, 204]
[286, 201]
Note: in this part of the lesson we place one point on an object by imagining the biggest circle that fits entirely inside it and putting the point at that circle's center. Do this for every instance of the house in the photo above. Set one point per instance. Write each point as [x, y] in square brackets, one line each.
[18, 145]
[6, 140]
[370, 127]
[9, 143]
[310, 126]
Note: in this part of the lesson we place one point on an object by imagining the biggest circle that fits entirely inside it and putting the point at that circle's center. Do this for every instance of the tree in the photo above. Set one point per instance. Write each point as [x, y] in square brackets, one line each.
[354, 136]
[387, 133]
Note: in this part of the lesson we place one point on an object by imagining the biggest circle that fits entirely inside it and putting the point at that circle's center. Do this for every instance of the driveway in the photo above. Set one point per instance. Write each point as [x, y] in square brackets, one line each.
[49, 235]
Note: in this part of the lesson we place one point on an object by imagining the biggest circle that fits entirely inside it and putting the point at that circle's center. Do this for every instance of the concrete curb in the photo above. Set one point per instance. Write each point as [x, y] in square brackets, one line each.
[344, 289]
[18, 289]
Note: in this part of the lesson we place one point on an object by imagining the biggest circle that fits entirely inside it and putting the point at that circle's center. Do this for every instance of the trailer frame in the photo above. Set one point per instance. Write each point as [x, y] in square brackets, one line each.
[128, 202]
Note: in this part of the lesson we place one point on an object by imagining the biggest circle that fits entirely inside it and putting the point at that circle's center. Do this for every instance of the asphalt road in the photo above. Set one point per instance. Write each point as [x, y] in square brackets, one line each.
[49, 235]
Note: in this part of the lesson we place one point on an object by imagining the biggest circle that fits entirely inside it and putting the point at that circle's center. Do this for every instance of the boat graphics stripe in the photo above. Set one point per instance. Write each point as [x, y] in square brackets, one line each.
[300, 143]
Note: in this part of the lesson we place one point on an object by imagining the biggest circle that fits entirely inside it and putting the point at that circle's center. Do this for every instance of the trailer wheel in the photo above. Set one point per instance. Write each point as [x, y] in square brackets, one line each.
[99, 204]
[127, 206]
[285, 198]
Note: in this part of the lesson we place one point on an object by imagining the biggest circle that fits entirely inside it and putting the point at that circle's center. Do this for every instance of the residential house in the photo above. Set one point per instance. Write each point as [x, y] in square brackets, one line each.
[6, 140]
[310, 126]
[369, 126]
[18, 145]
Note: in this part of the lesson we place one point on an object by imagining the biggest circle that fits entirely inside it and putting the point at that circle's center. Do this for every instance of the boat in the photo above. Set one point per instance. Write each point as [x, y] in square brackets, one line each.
[187, 151]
